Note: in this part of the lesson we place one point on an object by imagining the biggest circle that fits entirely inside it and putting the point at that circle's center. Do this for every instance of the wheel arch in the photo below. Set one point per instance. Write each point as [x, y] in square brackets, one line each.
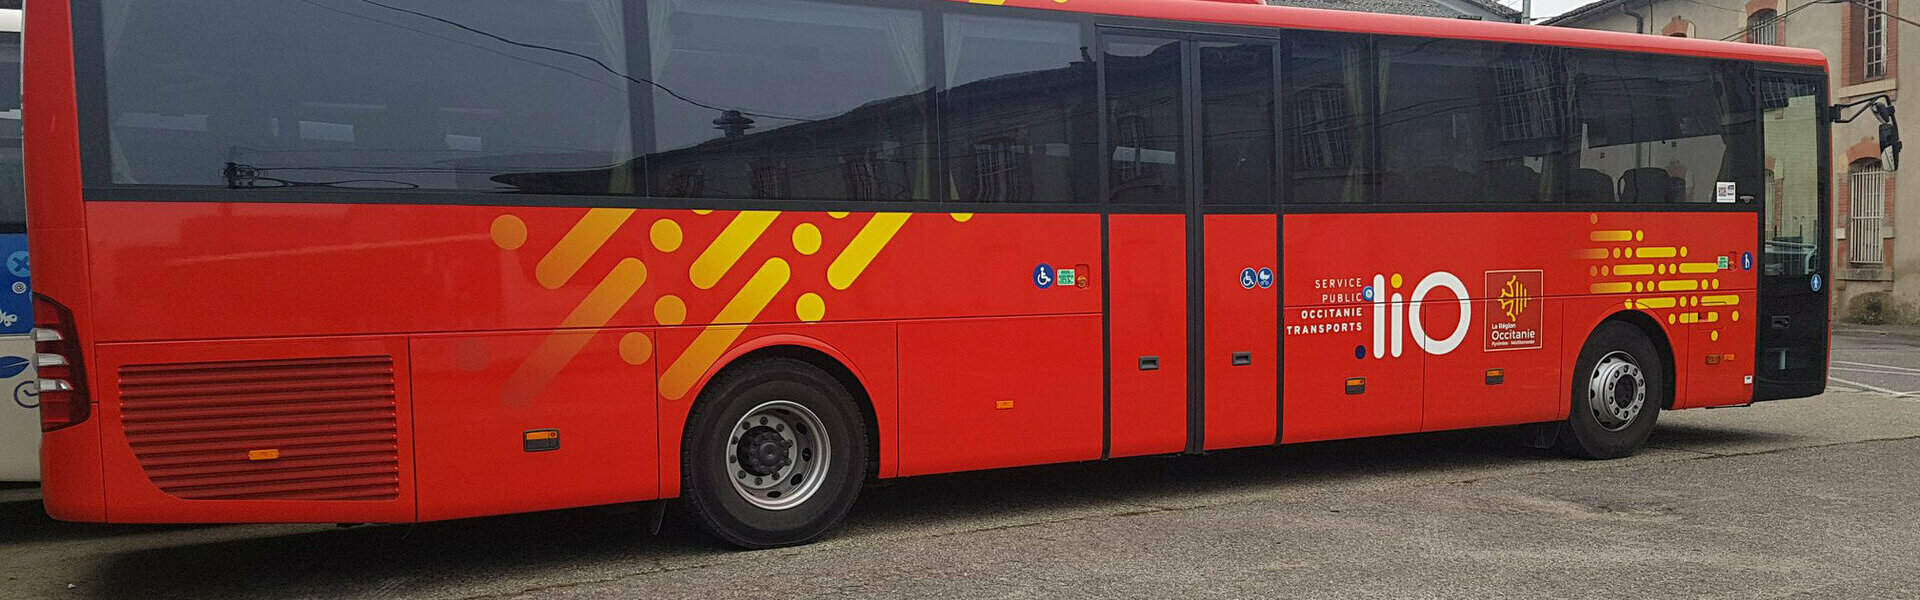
[823, 356]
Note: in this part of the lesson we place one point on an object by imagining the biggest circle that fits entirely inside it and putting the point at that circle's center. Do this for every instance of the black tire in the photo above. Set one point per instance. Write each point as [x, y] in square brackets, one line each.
[712, 457]
[1605, 429]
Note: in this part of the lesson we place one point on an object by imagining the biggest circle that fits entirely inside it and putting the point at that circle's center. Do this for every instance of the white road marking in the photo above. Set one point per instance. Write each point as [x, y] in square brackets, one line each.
[1873, 388]
[1909, 370]
[1876, 371]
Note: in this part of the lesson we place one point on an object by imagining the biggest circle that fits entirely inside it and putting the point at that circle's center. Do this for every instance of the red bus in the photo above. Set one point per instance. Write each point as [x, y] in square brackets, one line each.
[410, 260]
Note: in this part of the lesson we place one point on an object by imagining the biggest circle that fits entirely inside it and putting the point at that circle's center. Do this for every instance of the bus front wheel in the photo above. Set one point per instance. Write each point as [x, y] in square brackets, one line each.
[774, 454]
[1619, 385]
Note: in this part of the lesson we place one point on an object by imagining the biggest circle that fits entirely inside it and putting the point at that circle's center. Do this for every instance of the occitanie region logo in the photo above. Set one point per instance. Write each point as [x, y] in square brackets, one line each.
[1514, 321]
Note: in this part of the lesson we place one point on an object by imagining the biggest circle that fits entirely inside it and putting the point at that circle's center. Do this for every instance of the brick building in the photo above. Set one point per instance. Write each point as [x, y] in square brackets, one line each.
[1877, 276]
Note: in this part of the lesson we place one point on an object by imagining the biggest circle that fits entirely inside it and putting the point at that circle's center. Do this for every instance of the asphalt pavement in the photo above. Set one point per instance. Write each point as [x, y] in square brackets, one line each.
[1810, 498]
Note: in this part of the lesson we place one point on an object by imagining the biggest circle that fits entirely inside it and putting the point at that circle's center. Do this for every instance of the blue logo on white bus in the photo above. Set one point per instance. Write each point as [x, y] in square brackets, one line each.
[1266, 278]
[1043, 276]
[1247, 277]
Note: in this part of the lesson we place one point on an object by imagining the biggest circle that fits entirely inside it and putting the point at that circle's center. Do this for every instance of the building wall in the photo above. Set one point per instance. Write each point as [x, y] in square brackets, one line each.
[1889, 290]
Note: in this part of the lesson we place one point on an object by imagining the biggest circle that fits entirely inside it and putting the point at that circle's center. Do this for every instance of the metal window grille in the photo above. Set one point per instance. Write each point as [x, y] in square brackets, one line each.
[1876, 46]
[1763, 28]
[1864, 242]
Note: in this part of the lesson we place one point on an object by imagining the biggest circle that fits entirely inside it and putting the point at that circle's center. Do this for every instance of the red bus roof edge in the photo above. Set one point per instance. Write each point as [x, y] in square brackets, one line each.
[1258, 14]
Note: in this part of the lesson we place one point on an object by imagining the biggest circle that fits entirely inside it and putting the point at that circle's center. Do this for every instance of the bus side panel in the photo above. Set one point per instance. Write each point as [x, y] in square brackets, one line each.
[988, 393]
[1721, 356]
[1496, 377]
[257, 431]
[1331, 263]
[502, 424]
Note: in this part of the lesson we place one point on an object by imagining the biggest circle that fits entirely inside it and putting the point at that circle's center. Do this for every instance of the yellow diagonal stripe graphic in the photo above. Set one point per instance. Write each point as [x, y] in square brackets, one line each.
[1683, 285]
[718, 337]
[1624, 270]
[1699, 267]
[1656, 252]
[1721, 300]
[580, 244]
[1654, 303]
[1610, 288]
[866, 245]
[1611, 236]
[729, 246]
[576, 330]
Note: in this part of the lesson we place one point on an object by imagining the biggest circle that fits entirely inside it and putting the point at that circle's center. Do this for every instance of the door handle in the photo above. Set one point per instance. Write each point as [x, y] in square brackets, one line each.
[1241, 359]
[1149, 363]
[1782, 321]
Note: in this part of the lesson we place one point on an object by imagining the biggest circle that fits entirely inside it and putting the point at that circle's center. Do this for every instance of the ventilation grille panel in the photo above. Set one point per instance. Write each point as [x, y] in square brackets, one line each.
[306, 429]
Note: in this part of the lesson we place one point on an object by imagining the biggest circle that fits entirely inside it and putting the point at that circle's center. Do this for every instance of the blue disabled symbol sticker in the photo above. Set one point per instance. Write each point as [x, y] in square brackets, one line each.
[1816, 283]
[1265, 277]
[1746, 263]
[17, 264]
[1043, 276]
[1247, 278]
[1366, 293]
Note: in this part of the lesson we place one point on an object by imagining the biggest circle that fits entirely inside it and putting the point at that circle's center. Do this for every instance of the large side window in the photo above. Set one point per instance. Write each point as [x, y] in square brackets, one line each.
[407, 94]
[1019, 111]
[1464, 121]
[1665, 129]
[788, 99]
[1327, 110]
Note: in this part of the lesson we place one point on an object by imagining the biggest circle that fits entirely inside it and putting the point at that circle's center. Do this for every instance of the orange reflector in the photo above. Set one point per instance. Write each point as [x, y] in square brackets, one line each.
[1356, 386]
[1496, 372]
[1713, 359]
[1726, 358]
[543, 434]
[263, 454]
[1003, 405]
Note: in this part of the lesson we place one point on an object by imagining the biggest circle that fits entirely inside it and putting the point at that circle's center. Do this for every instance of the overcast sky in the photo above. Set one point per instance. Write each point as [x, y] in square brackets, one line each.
[1547, 8]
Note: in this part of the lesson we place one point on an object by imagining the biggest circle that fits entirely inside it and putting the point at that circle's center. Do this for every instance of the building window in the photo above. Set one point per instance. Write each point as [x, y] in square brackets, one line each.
[1763, 27]
[1000, 168]
[1867, 184]
[1875, 47]
[1324, 140]
[863, 169]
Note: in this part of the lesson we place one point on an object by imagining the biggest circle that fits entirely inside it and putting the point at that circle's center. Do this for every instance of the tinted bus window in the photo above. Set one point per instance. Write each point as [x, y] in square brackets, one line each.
[1328, 114]
[1236, 119]
[1662, 129]
[1019, 111]
[1469, 121]
[1144, 124]
[13, 196]
[1792, 218]
[788, 99]
[524, 96]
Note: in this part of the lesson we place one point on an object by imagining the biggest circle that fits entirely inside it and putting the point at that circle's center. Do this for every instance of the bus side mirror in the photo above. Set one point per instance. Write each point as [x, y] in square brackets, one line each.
[1890, 146]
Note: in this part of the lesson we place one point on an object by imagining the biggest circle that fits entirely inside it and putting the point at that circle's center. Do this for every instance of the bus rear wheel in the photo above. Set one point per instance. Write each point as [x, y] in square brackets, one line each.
[1619, 385]
[774, 455]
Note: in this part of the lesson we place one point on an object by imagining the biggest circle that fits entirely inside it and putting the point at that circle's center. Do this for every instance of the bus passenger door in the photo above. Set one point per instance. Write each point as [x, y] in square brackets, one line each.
[1792, 319]
[1192, 249]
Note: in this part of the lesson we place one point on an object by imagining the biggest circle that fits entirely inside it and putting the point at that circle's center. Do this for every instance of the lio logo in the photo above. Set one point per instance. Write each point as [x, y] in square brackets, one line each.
[1402, 314]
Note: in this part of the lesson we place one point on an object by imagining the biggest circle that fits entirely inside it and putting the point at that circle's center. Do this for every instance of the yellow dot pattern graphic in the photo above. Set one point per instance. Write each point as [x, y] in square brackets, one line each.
[509, 232]
[806, 239]
[670, 310]
[666, 235]
[635, 348]
[810, 307]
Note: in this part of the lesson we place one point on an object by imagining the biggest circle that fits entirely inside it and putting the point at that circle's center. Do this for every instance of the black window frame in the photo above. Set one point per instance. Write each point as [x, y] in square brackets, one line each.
[96, 164]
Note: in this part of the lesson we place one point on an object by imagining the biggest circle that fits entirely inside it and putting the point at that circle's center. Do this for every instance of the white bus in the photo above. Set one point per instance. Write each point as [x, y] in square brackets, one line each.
[19, 407]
